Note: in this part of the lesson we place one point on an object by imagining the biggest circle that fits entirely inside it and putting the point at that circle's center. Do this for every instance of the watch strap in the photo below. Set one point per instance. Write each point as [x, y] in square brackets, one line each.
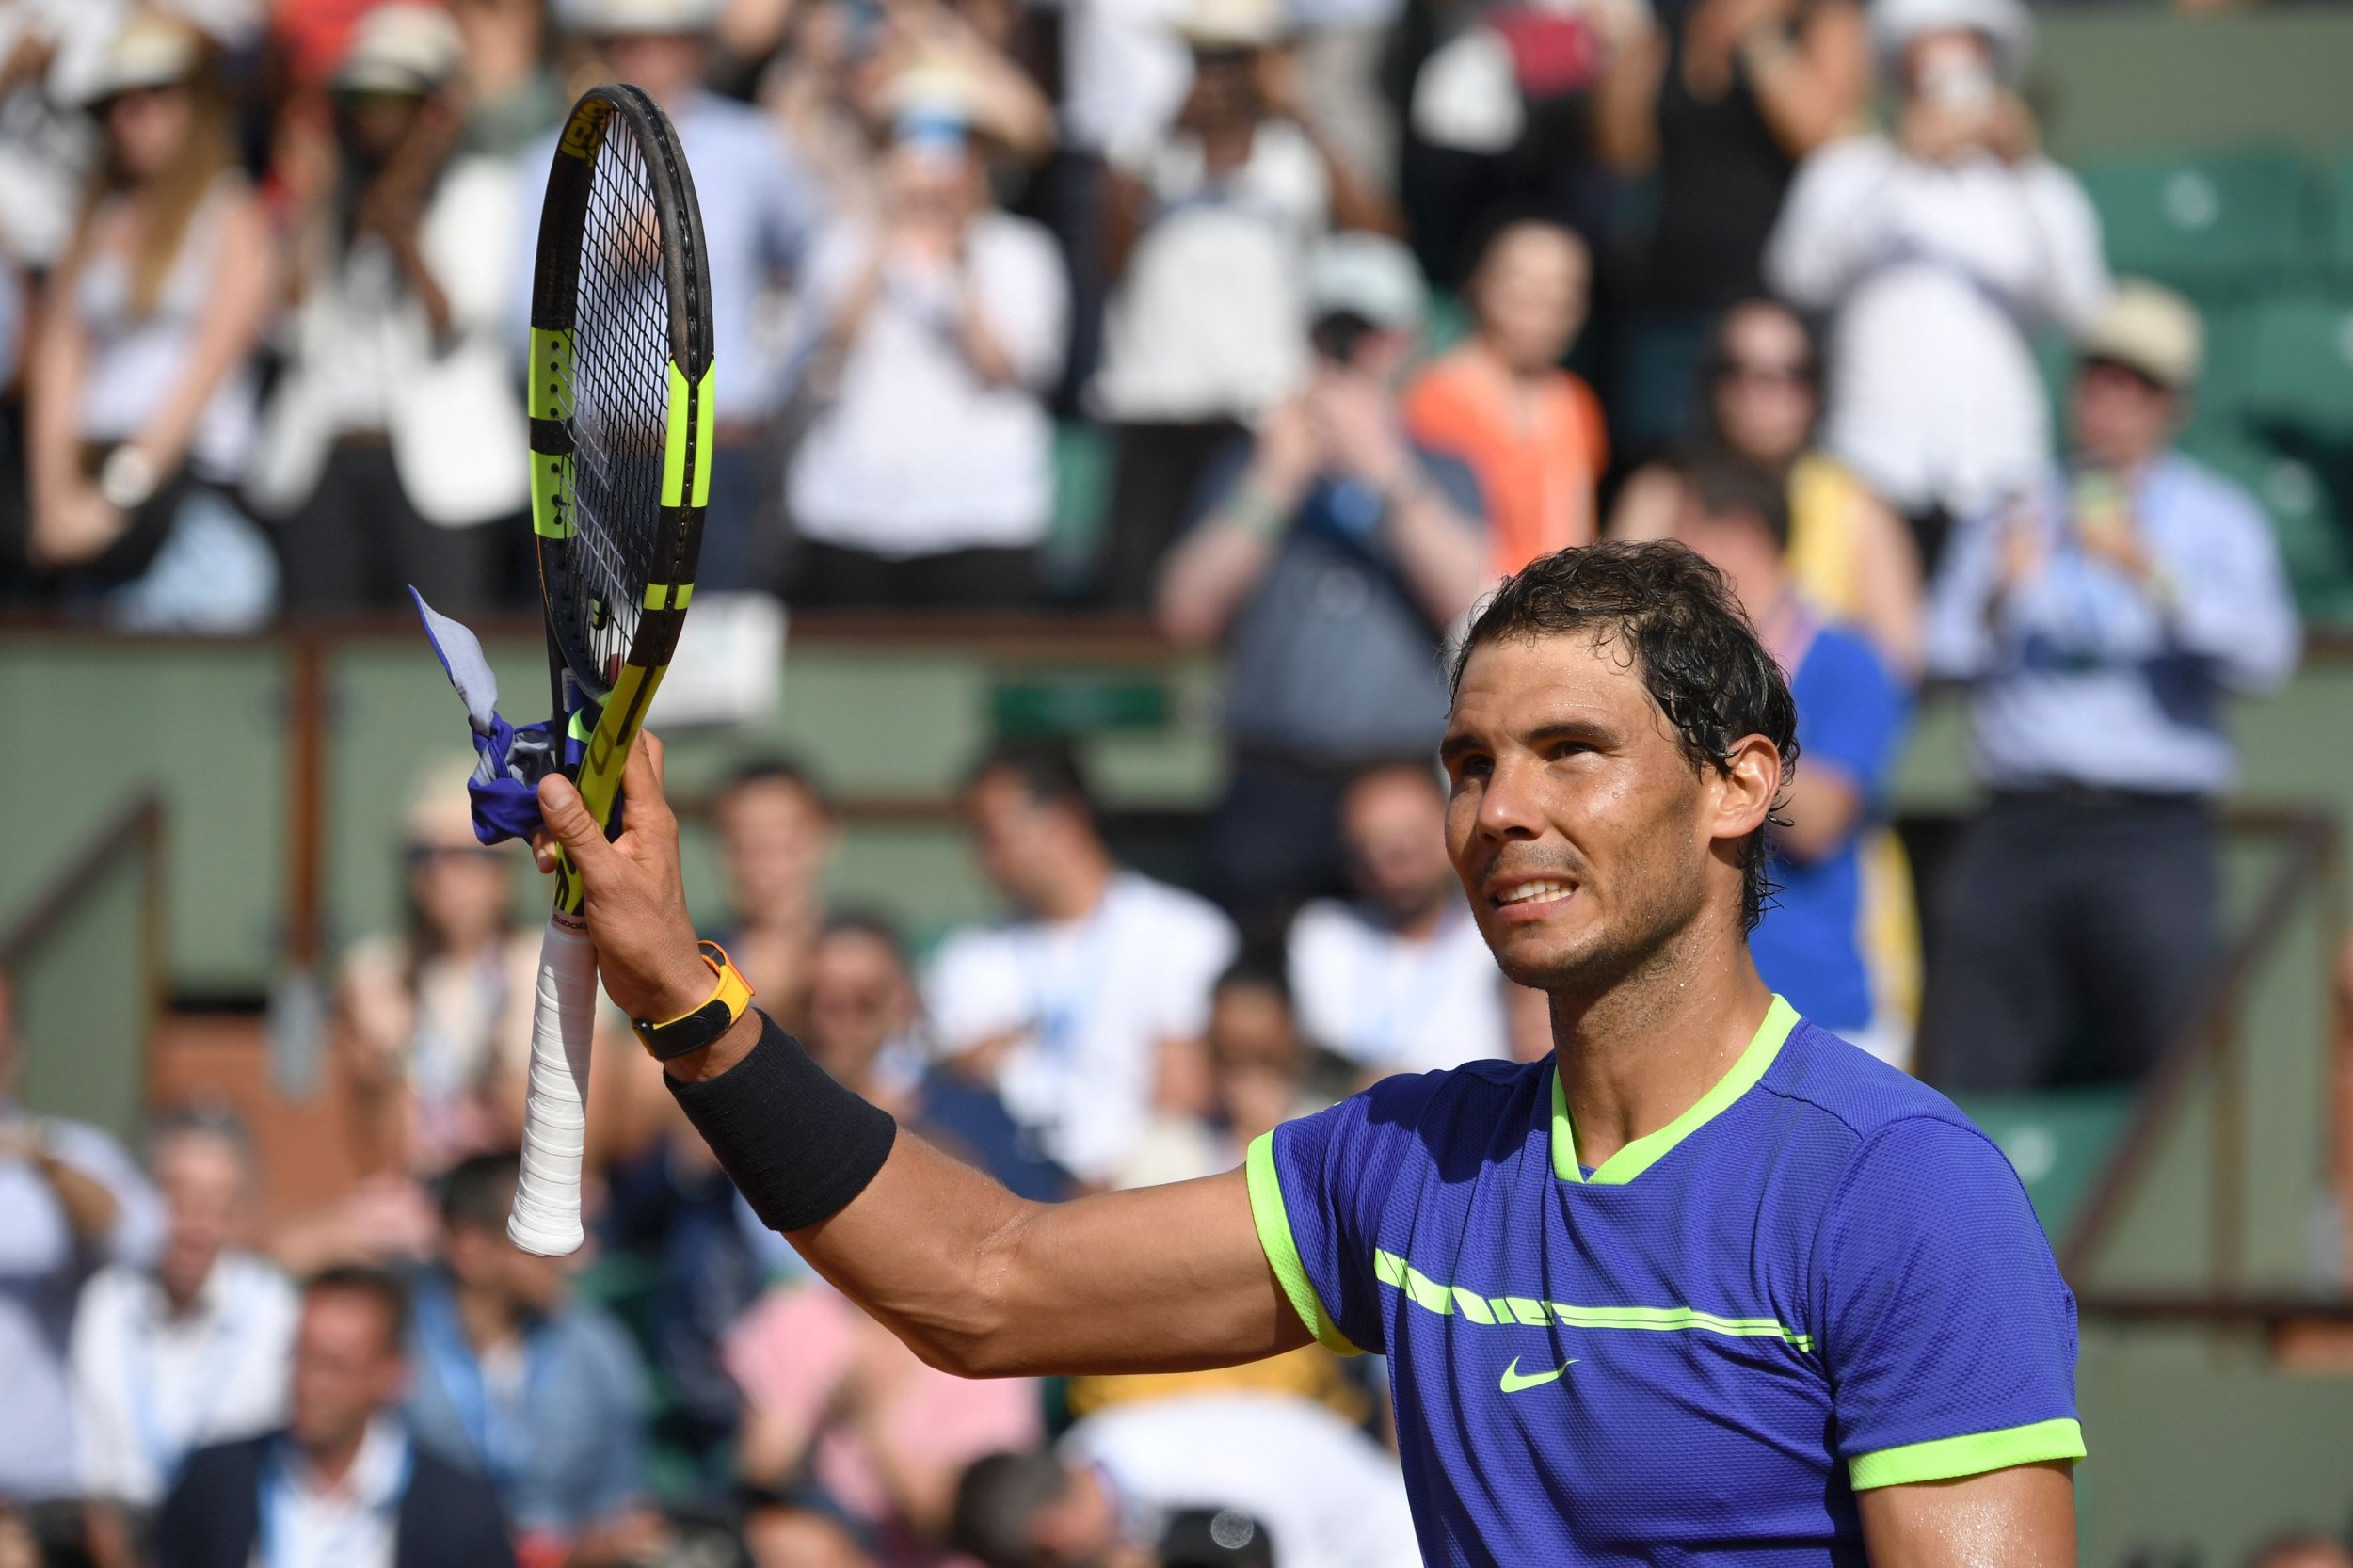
[692, 1031]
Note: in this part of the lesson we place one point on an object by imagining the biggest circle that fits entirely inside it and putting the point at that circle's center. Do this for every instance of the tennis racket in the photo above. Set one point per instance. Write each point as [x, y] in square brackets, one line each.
[621, 421]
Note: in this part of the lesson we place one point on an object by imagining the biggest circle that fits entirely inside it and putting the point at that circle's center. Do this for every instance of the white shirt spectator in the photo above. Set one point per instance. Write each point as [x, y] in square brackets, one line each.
[352, 1524]
[150, 1387]
[136, 360]
[1328, 1495]
[41, 1268]
[1088, 1003]
[913, 453]
[1208, 322]
[1936, 274]
[1390, 1002]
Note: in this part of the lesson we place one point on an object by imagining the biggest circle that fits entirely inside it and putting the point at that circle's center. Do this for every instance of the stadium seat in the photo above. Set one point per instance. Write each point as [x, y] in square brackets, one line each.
[2216, 224]
[2287, 360]
[1082, 493]
[2340, 215]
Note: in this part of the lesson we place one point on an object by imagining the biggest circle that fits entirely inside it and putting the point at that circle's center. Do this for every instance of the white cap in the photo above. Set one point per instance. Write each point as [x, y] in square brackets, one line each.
[401, 48]
[148, 51]
[2149, 328]
[1370, 276]
[2006, 24]
[620, 18]
[1232, 23]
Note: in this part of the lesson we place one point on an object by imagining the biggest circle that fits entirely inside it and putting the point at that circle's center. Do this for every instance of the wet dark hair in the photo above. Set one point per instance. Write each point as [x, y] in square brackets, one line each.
[1695, 652]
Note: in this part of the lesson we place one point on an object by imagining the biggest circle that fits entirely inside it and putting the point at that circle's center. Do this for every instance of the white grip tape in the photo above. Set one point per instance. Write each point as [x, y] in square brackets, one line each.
[555, 1117]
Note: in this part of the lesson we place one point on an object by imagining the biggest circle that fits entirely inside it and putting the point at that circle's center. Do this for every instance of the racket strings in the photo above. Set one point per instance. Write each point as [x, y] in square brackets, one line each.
[621, 352]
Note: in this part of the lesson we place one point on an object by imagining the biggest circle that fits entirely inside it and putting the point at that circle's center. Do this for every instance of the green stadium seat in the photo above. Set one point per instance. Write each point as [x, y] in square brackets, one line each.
[2216, 224]
[2340, 215]
[1083, 494]
[2288, 359]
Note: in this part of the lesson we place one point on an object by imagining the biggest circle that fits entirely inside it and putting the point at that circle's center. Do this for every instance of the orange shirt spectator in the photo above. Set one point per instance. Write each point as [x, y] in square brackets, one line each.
[1500, 402]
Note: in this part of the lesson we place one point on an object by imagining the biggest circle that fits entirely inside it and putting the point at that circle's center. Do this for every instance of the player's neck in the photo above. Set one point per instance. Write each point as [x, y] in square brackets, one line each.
[1637, 1055]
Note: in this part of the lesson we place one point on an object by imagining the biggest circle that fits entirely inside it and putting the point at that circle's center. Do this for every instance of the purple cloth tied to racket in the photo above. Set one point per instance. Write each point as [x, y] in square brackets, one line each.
[512, 758]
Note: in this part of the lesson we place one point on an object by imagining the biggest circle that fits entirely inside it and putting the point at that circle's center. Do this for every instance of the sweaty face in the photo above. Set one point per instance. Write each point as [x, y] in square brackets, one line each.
[1584, 837]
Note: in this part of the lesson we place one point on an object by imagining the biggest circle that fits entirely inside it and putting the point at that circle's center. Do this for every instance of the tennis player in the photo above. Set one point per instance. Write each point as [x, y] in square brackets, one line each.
[1706, 1286]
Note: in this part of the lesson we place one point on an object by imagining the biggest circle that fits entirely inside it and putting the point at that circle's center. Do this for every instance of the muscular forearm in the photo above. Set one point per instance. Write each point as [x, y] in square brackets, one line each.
[977, 1281]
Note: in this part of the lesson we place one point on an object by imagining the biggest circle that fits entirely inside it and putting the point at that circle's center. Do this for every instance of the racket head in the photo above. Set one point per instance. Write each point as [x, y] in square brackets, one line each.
[621, 402]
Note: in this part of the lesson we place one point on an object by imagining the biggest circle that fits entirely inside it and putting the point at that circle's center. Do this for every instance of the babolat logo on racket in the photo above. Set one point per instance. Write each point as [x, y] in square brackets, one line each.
[586, 129]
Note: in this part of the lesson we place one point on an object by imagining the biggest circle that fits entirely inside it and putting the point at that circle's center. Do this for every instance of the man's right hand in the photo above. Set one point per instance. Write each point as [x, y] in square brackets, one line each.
[635, 895]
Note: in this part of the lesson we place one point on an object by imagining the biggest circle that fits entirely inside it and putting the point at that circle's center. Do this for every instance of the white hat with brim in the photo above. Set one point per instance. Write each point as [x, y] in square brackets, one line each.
[1232, 23]
[1369, 276]
[2151, 332]
[148, 51]
[2006, 24]
[401, 49]
[625, 18]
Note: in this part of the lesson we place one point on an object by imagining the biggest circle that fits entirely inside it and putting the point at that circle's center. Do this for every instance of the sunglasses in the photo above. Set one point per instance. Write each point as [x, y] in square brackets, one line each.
[478, 854]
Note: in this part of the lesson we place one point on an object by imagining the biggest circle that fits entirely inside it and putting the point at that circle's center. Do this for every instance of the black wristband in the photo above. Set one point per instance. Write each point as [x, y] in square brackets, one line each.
[797, 1144]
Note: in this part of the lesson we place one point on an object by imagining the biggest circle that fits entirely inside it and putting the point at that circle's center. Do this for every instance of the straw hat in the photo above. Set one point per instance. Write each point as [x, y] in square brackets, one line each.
[1233, 24]
[406, 49]
[620, 18]
[2007, 22]
[147, 50]
[2151, 329]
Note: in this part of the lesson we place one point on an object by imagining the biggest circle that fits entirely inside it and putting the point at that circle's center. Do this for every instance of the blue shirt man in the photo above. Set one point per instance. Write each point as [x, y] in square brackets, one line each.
[2102, 622]
[543, 1398]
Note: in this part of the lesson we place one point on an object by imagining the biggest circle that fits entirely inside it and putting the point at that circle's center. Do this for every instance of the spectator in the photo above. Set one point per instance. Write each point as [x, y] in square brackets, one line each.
[753, 243]
[69, 1201]
[541, 1397]
[1530, 430]
[512, 95]
[140, 394]
[394, 448]
[1851, 714]
[342, 1483]
[777, 834]
[190, 1352]
[1326, 1495]
[1258, 1072]
[864, 1028]
[1209, 229]
[926, 477]
[1332, 559]
[1397, 979]
[51, 58]
[782, 1533]
[433, 1025]
[1720, 100]
[1849, 555]
[1085, 1007]
[1938, 250]
[2103, 622]
[834, 1403]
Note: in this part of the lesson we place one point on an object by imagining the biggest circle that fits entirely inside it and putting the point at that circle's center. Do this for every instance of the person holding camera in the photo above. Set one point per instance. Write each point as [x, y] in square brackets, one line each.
[1938, 250]
[1335, 555]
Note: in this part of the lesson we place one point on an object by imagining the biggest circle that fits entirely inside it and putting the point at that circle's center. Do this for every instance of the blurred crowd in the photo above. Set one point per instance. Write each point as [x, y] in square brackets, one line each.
[1369, 302]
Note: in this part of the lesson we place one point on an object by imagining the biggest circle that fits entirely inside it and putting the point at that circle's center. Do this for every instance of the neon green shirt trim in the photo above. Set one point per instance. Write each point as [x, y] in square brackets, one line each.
[1281, 1253]
[1948, 1458]
[1458, 1301]
[1649, 1149]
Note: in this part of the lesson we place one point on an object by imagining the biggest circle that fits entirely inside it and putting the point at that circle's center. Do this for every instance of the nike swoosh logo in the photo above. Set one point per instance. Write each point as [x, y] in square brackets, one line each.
[1514, 1381]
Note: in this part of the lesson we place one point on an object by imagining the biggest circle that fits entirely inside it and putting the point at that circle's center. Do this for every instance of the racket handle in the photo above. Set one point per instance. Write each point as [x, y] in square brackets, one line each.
[546, 1218]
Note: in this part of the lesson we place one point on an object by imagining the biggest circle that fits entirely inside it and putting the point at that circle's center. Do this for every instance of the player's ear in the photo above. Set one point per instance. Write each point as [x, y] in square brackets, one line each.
[1747, 787]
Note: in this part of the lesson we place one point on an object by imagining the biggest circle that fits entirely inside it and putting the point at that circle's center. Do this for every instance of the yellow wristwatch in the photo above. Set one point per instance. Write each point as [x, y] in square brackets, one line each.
[707, 1023]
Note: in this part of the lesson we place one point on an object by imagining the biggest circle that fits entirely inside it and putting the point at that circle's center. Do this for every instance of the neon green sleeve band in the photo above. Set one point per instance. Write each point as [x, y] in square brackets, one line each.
[1947, 1458]
[1281, 1253]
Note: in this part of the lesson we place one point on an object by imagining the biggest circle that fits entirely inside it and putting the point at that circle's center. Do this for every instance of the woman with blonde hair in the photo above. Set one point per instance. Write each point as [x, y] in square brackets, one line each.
[140, 393]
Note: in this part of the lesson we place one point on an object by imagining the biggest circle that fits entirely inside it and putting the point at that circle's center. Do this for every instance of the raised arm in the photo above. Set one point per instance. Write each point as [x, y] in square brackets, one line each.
[976, 1281]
